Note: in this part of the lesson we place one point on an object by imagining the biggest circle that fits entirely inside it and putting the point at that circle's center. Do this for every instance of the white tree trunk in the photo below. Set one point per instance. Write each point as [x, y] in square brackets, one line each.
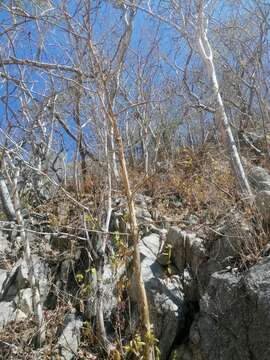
[113, 154]
[103, 238]
[37, 306]
[6, 200]
[207, 56]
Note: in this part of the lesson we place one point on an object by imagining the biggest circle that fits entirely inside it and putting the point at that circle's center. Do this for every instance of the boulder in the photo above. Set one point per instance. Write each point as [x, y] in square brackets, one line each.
[205, 271]
[187, 249]
[23, 301]
[234, 319]
[262, 202]
[182, 352]
[143, 215]
[166, 300]
[143, 200]
[4, 244]
[190, 286]
[110, 278]
[17, 279]
[235, 237]
[3, 276]
[119, 219]
[69, 340]
[150, 246]
[259, 178]
[7, 312]
[176, 239]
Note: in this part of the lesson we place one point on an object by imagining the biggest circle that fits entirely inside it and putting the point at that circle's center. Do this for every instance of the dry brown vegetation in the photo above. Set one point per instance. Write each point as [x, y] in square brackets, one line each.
[200, 179]
[199, 184]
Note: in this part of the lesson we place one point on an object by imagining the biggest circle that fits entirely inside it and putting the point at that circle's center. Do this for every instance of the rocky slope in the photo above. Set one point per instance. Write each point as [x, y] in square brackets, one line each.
[208, 298]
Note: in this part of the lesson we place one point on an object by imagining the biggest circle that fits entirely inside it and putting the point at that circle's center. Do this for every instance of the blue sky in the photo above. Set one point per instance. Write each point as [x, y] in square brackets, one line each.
[55, 48]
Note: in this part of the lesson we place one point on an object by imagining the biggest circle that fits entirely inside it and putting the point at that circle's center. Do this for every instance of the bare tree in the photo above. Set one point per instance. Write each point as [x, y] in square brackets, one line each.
[107, 92]
[33, 281]
[198, 24]
[207, 56]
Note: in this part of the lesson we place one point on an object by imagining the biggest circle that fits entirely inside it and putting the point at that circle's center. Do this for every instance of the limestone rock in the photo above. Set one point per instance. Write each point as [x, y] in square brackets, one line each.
[69, 340]
[181, 352]
[190, 286]
[262, 201]
[110, 278]
[234, 319]
[143, 215]
[23, 301]
[17, 279]
[3, 276]
[166, 299]
[236, 237]
[259, 178]
[7, 312]
[150, 245]
[187, 249]
[4, 244]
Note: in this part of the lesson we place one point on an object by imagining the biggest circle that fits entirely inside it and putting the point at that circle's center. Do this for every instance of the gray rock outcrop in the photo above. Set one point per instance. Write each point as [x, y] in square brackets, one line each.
[69, 340]
[165, 295]
[234, 318]
[187, 249]
[259, 178]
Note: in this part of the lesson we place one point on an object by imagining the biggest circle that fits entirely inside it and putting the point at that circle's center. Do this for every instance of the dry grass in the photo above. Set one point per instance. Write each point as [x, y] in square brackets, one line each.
[255, 247]
[201, 183]
[201, 180]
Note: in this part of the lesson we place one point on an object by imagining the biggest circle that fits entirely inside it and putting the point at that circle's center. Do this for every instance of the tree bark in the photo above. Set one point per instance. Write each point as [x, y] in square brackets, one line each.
[207, 56]
[6, 200]
[142, 298]
[36, 301]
